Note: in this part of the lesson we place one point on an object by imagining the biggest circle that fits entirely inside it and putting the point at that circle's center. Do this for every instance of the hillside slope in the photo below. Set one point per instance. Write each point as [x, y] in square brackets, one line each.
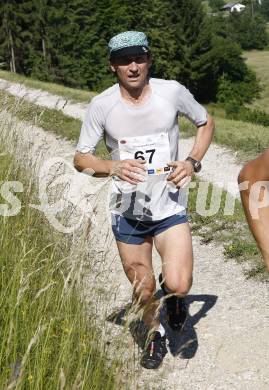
[226, 341]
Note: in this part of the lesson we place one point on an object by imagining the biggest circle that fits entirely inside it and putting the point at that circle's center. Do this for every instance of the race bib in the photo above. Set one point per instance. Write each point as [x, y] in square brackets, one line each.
[154, 149]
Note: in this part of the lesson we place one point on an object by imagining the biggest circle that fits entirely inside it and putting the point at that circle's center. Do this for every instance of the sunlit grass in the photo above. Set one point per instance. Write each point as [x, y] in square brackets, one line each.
[48, 339]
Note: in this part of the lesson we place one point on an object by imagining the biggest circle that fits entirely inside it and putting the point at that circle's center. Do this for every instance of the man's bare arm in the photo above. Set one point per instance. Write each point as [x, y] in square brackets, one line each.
[252, 173]
[203, 139]
[131, 171]
[183, 170]
[84, 162]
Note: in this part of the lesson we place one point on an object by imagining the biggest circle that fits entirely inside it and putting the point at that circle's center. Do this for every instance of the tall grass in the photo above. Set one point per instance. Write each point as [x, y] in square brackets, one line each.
[47, 339]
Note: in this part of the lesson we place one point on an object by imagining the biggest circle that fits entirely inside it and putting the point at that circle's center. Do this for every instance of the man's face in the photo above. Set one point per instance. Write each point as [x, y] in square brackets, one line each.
[132, 71]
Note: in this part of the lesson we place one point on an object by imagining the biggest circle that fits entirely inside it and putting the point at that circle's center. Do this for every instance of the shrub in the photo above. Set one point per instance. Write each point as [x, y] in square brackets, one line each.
[247, 115]
[238, 92]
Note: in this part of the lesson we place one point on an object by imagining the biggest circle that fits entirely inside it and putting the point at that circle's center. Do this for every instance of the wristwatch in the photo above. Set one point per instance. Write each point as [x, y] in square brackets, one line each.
[197, 166]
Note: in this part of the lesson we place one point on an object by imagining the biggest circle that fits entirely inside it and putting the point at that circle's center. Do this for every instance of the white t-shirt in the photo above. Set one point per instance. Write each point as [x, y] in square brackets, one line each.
[142, 127]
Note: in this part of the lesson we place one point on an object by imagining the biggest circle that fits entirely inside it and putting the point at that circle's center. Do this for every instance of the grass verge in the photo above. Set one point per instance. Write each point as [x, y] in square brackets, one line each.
[46, 341]
[75, 95]
[49, 119]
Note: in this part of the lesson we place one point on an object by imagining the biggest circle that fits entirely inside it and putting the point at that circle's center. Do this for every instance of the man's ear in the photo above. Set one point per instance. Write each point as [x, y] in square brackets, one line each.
[150, 60]
[112, 67]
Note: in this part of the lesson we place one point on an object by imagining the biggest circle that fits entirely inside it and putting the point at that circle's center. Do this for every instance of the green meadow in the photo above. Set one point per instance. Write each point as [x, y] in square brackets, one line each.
[259, 62]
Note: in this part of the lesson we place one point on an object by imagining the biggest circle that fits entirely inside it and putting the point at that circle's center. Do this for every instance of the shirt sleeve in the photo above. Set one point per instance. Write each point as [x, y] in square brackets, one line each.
[189, 107]
[92, 130]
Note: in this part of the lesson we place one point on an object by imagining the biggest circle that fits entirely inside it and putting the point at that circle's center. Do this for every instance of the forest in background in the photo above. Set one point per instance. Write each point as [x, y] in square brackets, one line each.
[66, 42]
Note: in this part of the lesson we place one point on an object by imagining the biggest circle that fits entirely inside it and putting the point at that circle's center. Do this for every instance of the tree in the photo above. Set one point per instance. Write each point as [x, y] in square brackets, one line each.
[10, 41]
[249, 30]
[264, 9]
[215, 5]
[67, 41]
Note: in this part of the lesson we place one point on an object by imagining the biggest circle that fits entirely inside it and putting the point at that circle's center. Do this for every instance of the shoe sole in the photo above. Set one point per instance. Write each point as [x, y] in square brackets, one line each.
[151, 368]
[154, 368]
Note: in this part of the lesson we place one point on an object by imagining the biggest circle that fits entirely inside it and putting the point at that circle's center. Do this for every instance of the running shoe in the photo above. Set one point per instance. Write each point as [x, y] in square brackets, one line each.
[177, 310]
[154, 352]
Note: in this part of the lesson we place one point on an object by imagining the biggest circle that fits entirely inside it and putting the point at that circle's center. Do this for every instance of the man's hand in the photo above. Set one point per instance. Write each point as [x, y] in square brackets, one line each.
[182, 173]
[132, 171]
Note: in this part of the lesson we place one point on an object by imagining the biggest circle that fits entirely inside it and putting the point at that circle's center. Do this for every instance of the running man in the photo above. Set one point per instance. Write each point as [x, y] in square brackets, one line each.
[256, 175]
[138, 118]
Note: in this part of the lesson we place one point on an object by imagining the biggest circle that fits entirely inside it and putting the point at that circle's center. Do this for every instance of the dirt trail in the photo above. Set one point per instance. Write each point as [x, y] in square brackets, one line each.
[44, 99]
[226, 341]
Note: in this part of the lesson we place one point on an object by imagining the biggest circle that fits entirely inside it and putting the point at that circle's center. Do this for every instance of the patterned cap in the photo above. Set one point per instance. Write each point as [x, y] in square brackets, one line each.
[128, 43]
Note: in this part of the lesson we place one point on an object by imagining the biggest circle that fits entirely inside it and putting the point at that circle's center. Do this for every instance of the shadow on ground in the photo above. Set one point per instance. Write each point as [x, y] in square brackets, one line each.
[184, 344]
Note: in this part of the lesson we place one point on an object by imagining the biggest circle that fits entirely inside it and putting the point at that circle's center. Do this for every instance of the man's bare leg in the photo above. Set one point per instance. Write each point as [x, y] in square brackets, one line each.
[175, 248]
[137, 264]
[253, 172]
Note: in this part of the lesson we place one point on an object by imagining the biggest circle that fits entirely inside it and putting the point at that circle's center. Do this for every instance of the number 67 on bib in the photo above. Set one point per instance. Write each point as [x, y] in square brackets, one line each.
[154, 149]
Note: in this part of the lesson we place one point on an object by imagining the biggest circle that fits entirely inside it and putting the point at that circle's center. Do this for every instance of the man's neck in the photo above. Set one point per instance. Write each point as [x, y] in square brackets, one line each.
[136, 96]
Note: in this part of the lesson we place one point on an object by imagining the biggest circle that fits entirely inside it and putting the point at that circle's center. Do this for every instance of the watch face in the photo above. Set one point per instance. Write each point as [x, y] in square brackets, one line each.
[197, 166]
[195, 163]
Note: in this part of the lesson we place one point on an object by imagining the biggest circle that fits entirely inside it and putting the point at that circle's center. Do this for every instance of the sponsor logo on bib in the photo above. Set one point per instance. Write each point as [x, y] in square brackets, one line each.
[151, 171]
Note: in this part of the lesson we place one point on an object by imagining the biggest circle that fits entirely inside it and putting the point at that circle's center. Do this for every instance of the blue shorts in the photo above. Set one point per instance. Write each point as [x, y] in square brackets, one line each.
[133, 231]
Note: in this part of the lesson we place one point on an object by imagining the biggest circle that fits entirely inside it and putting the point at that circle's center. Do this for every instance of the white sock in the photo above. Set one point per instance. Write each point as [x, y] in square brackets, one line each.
[161, 330]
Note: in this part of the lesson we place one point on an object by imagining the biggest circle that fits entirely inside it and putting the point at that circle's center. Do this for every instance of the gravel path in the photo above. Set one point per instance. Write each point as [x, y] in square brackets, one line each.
[226, 341]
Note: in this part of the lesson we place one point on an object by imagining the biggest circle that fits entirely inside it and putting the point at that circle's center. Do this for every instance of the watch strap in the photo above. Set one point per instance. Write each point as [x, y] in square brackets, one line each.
[195, 163]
